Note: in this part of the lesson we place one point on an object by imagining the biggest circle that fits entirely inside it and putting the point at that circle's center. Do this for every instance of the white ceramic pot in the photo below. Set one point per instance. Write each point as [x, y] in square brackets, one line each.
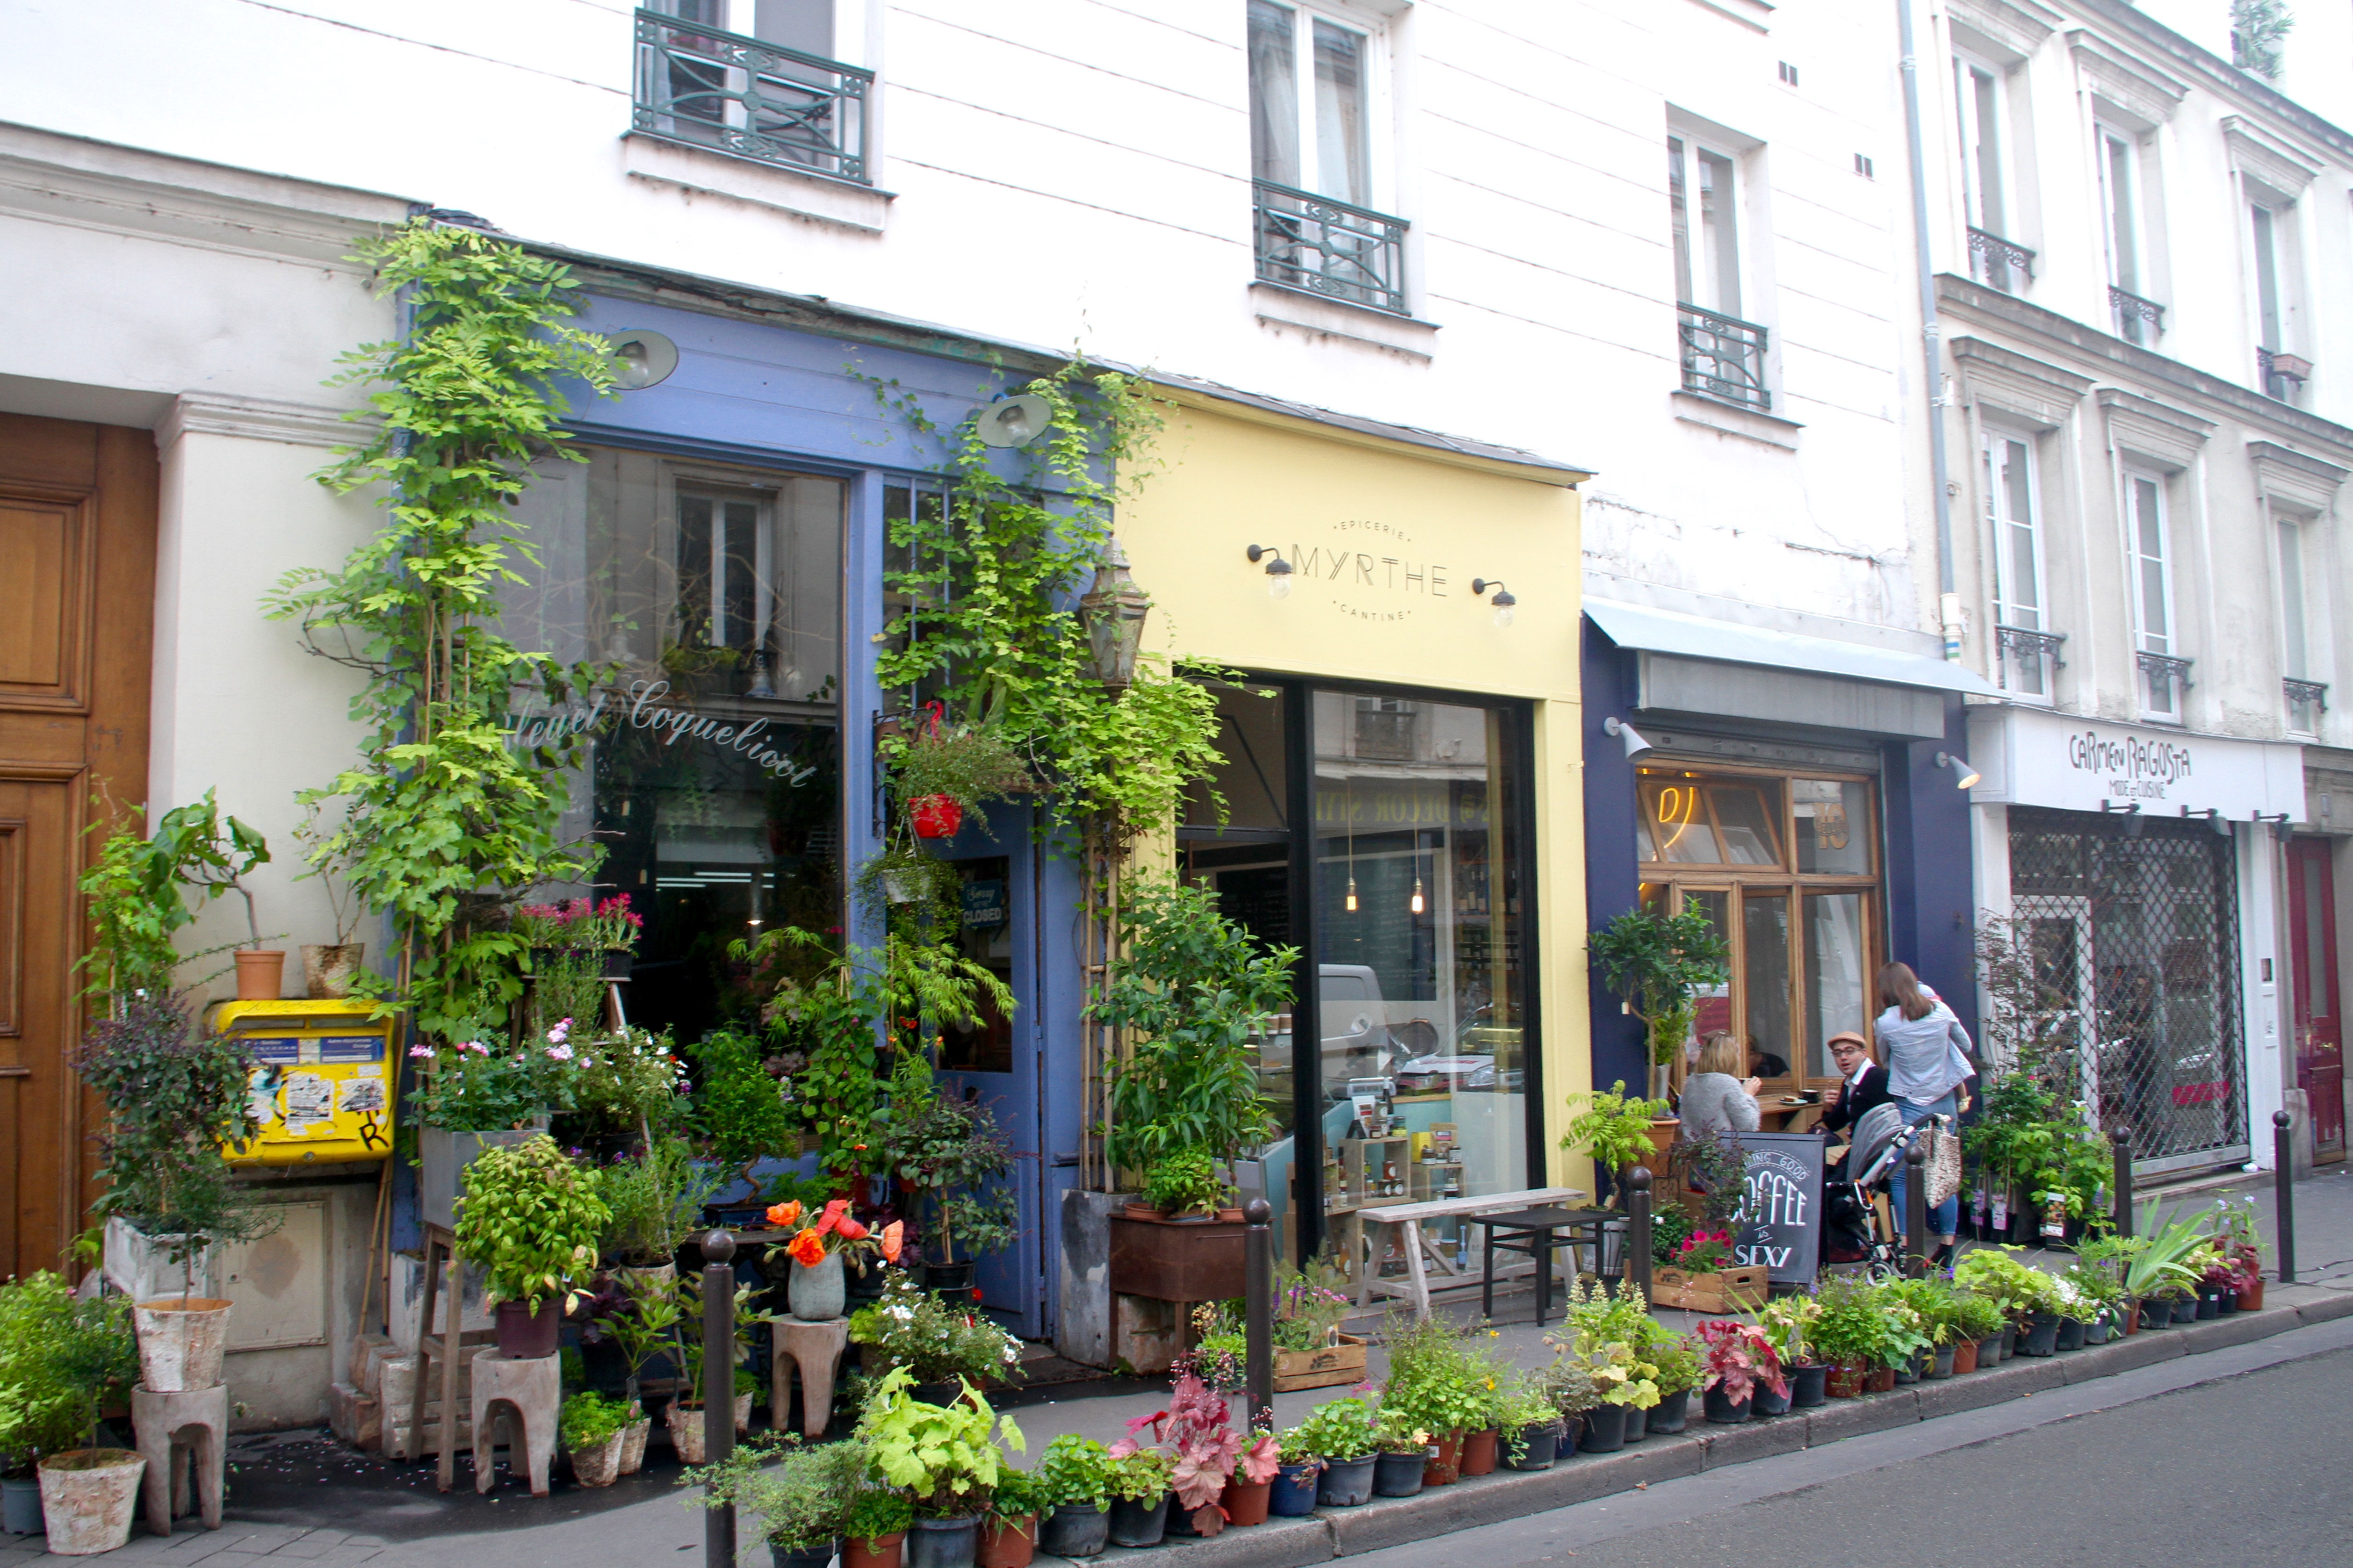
[88, 1497]
[181, 1342]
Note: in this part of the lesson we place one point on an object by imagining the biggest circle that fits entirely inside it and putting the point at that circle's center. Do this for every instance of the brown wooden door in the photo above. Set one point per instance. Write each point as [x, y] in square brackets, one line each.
[2319, 1002]
[77, 633]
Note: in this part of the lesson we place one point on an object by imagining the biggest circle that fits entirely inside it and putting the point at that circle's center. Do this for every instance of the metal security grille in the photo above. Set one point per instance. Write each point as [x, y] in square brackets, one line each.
[2142, 932]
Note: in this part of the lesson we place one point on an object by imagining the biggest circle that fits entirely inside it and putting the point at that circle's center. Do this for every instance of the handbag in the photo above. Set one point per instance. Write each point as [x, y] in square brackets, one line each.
[1944, 1164]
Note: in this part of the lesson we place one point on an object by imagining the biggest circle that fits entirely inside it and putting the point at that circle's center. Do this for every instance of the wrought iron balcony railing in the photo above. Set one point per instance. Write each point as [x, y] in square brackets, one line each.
[2138, 320]
[2307, 701]
[2167, 678]
[1994, 261]
[755, 100]
[2025, 653]
[1724, 357]
[2283, 375]
[1329, 248]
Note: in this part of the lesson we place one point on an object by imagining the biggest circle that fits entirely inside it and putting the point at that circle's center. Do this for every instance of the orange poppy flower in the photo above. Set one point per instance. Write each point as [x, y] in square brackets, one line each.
[785, 1215]
[835, 1213]
[891, 1234]
[807, 1248]
[851, 1230]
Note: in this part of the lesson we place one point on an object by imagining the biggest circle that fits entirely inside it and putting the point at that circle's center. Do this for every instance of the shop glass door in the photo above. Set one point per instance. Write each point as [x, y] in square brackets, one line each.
[2319, 1031]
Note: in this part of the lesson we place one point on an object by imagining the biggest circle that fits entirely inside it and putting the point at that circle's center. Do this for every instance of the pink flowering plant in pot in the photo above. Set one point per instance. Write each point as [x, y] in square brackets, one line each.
[1197, 1431]
[482, 1085]
[1736, 1358]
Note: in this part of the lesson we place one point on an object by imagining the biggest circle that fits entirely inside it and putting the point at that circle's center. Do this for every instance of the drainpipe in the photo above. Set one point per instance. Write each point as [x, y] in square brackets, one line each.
[1948, 599]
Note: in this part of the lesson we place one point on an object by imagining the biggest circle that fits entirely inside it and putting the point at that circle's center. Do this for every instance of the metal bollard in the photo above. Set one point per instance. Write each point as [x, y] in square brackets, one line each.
[719, 1387]
[1257, 1302]
[1916, 1207]
[2284, 1173]
[1637, 1184]
[2122, 1138]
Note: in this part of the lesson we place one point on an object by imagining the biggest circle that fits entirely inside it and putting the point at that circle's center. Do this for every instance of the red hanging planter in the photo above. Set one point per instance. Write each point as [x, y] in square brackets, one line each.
[935, 815]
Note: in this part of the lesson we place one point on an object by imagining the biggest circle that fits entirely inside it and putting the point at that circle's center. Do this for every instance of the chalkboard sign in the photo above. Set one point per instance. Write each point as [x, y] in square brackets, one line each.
[1781, 1222]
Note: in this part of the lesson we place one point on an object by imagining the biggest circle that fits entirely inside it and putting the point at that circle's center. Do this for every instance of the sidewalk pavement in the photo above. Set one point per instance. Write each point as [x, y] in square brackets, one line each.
[648, 1521]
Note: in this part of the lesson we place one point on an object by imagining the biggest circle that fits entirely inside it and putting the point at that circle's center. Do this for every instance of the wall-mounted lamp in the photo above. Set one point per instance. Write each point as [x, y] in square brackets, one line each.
[1502, 601]
[2214, 819]
[1278, 570]
[1113, 610]
[1628, 736]
[642, 358]
[2280, 828]
[2129, 811]
[1012, 421]
[1965, 775]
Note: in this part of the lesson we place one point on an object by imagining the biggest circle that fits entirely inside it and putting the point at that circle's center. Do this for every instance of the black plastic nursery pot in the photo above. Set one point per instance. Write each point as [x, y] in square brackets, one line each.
[1806, 1386]
[1076, 1530]
[2185, 1310]
[1940, 1365]
[1671, 1414]
[1539, 1446]
[2210, 1302]
[2230, 1302]
[1294, 1491]
[1398, 1475]
[1638, 1424]
[2042, 1335]
[2155, 1313]
[949, 1281]
[1135, 1523]
[2097, 1333]
[1346, 1483]
[1604, 1429]
[946, 1542]
[2071, 1335]
[1764, 1402]
[1725, 1410]
[820, 1556]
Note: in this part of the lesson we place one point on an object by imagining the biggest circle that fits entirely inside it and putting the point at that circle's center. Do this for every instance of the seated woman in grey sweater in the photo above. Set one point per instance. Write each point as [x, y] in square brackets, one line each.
[1714, 1101]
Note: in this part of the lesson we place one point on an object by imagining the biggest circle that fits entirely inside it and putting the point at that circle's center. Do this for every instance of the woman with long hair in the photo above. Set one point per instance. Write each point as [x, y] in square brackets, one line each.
[1926, 1053]
[1714, 1101]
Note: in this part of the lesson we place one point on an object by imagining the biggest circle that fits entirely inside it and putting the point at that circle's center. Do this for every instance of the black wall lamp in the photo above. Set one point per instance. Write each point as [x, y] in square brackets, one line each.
[1502, 601]
[2129, 811]
[1278, 570]
[2214, 819]
[2281, 830]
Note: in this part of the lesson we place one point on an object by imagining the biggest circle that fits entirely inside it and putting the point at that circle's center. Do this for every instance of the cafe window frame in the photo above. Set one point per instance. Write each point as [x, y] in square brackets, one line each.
[1669, 887]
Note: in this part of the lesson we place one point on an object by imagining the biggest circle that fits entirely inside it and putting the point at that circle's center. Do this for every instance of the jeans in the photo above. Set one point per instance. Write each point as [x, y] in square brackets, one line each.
[1944, 1218]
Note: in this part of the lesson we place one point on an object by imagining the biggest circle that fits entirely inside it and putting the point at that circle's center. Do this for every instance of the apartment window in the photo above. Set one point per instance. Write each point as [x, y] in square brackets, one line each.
[1723, 354]
[2138, 318]
[2281, 374]
[754, 79]
[2029, 648]
[1310, 81]
[1995, 259]
[2308, 698]
[2162, 669]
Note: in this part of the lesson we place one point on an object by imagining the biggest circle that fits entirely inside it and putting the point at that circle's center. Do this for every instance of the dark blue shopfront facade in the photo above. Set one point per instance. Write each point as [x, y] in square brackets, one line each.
[1734, 808]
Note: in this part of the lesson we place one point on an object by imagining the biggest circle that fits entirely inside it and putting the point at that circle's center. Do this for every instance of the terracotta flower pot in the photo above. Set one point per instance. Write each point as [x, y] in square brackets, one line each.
[1880, 1380]
[1008, 1542]
[181, 1342]
[1444, 1468]
[88, 1497]
[1846, 1380]
[1247, 1502]
[1479, 1452]
[883, 1552]
[2251, 1299]
[1965, 1356]
[260, 975]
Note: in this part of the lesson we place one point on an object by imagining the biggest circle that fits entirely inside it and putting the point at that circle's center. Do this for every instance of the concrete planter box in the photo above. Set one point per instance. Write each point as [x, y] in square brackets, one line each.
[141, 1267]
[442, 1158]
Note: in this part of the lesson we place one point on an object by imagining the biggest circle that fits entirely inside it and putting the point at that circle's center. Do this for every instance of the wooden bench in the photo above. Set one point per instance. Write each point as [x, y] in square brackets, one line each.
[1415, 1286]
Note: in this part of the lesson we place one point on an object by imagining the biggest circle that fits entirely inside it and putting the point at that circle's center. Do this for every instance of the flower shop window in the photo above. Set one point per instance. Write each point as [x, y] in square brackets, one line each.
[705, 601]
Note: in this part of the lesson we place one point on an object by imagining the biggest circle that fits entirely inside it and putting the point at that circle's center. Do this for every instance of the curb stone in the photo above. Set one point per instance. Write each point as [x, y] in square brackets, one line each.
[1515, 1494]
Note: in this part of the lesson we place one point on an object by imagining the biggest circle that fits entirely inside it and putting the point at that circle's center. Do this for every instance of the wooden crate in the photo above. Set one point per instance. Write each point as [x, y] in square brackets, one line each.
[1740, 1290]
[1326, 1368]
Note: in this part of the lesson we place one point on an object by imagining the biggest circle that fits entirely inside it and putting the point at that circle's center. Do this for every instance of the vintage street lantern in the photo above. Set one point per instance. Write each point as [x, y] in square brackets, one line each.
[1113, 610]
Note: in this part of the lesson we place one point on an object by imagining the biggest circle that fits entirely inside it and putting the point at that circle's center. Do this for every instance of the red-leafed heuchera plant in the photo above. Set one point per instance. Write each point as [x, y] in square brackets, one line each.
[1737, 1357]
[1198, 1429]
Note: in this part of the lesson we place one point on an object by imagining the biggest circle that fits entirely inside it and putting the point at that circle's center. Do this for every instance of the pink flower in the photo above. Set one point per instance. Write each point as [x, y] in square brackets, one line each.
[555, 1036]
[476, 1047]
[420, 1050]
[559, 1052]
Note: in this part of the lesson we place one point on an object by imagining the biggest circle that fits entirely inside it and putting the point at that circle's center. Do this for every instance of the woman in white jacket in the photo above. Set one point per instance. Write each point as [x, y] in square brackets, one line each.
[1926, 1053]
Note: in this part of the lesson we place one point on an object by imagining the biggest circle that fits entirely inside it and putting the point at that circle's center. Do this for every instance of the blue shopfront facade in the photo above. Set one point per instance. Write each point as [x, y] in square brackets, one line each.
[1787, 785]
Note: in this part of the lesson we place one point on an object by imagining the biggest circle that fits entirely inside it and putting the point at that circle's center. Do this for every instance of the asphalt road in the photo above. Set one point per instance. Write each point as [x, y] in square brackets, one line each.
[2253, 1468]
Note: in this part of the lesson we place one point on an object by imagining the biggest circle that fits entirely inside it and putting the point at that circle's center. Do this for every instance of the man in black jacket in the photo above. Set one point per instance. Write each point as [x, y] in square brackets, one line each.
[1863, 1084]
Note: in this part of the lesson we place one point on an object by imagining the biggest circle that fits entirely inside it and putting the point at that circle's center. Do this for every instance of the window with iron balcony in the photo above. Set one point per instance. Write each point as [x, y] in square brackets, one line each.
[769, 93]
[1723, 355]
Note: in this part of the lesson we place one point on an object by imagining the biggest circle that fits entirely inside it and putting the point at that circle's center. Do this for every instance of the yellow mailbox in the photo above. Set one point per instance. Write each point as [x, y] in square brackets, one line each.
[320, 1083]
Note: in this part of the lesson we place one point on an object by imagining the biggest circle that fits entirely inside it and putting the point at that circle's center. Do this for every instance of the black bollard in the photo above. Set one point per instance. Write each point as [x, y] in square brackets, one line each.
[2122, 1138]
[2284, 1173]
[1258, 1302]
[1916, 1206]
[719, 1387]
[1637, 1184]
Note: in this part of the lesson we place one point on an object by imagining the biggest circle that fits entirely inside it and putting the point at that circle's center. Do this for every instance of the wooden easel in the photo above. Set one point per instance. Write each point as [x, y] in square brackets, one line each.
[440, 1249]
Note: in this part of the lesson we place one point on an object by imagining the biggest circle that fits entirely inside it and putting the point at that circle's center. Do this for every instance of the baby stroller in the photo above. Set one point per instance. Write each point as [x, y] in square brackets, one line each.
[1853, 1231]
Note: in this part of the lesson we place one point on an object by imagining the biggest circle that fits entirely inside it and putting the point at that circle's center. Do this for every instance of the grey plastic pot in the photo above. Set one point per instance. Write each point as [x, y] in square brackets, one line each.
[20, 1505]
[1074, 1530]
[1346, 1483]
[1137, 1523]
[1941, 1365]
[1398, 1475]
[2071, 1335]
[946, 1542]
[1671, 1414]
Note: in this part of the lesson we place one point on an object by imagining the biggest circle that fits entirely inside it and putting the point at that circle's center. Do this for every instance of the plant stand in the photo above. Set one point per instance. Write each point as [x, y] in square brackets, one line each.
[531, 1390]
[440, 1244]
[816, 1348]
[170, 1427]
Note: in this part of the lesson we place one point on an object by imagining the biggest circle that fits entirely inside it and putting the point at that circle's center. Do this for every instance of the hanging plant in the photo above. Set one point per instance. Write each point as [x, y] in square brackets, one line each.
[446, 823]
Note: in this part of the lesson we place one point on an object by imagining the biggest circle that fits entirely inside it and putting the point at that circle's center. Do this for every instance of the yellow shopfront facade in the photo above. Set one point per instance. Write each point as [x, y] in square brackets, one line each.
[1400, 788]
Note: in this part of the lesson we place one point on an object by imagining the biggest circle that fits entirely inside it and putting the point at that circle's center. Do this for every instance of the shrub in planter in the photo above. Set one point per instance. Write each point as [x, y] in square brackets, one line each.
[1139, 1493]
[1527, 1424]
[1738, 1359]
[874, 1521]
[1604, 1338]
[1185, 1182]
[531, 1218]
[1342, 1436]
[592, 1428]
[909, 1327]
[656, 1199]
[1406, 1452]
[1851, 1330]
[946, 1459]
[59, 1358]
[1205, 1452]
[1438, 1382]
[951, 1158]
[1071, 1491]
[1677, 1359]
[1008, 1531]
[802, 1494]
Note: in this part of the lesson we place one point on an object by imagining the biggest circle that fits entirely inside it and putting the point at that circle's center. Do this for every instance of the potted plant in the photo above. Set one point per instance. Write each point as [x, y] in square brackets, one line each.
[1528, 1422]
[1071, 1491]
[1185, 1187]
[685, 1415]
[948, 1155]
[1851, 1334]
[1615, 1132]
[1570, 1390]
[1678, 1369]
[138, 896]
[173, 1099]
[1342, 1438]
[482, 1093]
[1008, 1531]
[1905, 1340]
[1139, 1476]
[802, 1494]
[940, 773]
[2024, 1293]
[909, 1327]
[60, 1357]
[1604, 1336]
[1659, 964]
[1930, 1301]
[1404, 1453]
[530, 1219]
[1977, 1321]
[1296, 1471]
[634, 1314]
[1738, 1362]
[1221, 1476]
[656, 1198]
[1310, 1350]
[813, 1258]
[946, 1459]
[874, 1527]
[329, 968]
[1788, 1323]
[1436, 1385]
[594, 1429]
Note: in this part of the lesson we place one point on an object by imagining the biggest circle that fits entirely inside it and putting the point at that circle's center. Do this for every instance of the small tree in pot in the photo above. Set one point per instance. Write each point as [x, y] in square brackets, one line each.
[1613, 1130]
[1659, 962]
[531, 1218]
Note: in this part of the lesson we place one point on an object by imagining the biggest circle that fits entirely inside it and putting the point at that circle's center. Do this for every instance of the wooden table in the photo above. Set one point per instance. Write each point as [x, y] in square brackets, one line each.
[1415, 1287]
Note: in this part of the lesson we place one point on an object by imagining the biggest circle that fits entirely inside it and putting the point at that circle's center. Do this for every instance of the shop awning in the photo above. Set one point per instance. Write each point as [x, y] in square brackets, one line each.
[1648, 630]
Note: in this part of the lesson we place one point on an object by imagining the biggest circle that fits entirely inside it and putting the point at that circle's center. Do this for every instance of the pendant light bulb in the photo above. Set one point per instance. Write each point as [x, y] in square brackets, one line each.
[1352, 895]
[1503, 614]
[1279, 586]
[1418, 903]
